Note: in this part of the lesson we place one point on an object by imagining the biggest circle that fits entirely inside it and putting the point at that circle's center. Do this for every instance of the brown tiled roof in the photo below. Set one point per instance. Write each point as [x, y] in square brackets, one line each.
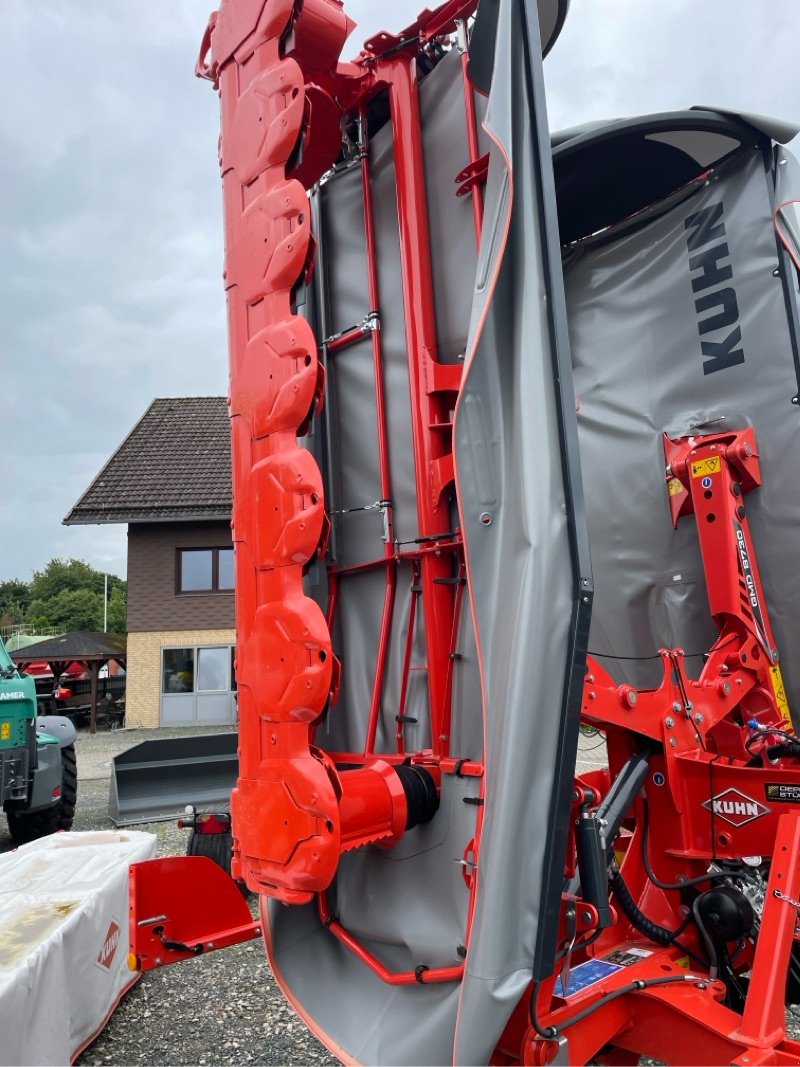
[76, 645]
[173, 465]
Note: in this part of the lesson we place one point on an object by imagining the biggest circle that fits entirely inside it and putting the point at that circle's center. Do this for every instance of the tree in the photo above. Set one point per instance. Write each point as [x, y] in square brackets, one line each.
[60, 574]
[14, 601]
[75, 609]
[117, 611]
[66, 595]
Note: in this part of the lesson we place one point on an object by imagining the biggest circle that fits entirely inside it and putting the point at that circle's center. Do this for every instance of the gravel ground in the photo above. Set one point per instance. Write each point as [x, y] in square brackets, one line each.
[224, 1008]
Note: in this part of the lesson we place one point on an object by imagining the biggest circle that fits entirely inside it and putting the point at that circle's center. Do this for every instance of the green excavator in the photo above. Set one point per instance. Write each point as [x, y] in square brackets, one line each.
[38, 773]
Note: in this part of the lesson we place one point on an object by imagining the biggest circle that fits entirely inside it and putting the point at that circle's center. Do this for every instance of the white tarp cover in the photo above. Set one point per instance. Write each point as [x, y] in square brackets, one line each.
[64, 941]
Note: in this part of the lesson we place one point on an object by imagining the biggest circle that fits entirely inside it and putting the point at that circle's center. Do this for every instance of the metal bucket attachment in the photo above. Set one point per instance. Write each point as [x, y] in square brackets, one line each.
[155, 780]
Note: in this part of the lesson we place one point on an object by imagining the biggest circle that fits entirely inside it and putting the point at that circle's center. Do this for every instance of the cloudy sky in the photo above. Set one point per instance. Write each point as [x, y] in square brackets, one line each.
[111, 216]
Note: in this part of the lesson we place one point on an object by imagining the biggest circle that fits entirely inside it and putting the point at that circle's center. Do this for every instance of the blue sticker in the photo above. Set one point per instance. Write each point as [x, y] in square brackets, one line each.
[586, 974]
[706, 483]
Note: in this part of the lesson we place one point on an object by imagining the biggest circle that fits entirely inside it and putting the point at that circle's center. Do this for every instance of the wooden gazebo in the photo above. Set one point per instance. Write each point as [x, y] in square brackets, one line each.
[90, 649]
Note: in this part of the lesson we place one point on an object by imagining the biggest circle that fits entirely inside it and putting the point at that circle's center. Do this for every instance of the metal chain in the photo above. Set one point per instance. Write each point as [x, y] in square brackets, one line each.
[782, 896]
[376, 506]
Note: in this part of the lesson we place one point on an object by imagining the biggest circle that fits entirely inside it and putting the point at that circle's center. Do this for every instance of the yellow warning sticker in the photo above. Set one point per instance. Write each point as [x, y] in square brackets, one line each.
[682, 961]
[703, 467]
[674, 486]
[5, 731]
[780, 696]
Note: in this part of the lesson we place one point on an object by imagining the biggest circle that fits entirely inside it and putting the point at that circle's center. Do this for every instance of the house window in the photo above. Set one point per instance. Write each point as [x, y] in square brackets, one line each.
[205, 570]
[212, 669]
[198, 686]
[178, 670]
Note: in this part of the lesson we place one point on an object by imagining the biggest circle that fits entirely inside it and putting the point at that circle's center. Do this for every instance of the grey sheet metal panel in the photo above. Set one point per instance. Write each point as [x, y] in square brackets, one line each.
[636, 338]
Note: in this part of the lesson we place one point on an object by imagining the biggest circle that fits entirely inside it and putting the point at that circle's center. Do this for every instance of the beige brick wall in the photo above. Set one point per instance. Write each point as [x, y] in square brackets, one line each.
[143, 690]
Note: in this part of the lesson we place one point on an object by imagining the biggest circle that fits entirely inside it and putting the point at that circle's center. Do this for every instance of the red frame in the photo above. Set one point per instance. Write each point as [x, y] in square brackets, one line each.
[278, 70]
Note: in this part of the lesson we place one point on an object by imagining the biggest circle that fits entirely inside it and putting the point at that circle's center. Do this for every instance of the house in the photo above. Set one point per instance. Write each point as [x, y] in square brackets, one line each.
[170, 481]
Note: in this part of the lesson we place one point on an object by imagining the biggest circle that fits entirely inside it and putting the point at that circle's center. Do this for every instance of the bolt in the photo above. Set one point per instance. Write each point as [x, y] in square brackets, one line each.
[775, 656]
[669, 721]
[673, 742]
[627, 696]
[698, 718]
[676, 706]
[586, 917]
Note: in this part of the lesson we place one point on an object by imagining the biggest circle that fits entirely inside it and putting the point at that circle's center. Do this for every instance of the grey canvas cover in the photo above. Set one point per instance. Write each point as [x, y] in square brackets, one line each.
[673, 333]
[640, 369]
[409, 905]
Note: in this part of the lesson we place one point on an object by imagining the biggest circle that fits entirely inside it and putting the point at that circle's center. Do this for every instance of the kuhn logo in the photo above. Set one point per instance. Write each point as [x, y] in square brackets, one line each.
[715, 302]
[735, 808]
[109, 948]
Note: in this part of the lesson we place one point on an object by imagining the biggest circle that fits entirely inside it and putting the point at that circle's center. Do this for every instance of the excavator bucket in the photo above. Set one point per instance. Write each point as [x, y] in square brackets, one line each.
[154, 781]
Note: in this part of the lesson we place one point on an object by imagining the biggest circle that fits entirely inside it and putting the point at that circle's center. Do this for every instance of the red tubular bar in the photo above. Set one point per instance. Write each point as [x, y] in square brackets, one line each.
[421, 975]
[764, 1019]
[349, 337]
[412, 620]
[472, 137]
[384, 465]
[333, 599]
[380, 663]
[453, 654]
[427, 409]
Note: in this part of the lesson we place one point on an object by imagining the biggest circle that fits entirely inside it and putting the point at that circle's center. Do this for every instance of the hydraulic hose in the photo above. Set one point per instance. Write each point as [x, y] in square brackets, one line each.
[660, 934]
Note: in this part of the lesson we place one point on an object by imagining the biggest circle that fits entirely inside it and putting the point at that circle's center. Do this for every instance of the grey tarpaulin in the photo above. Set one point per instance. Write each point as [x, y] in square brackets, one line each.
[640, 370]
[638, 366]
[408, 905]
[522, 579]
